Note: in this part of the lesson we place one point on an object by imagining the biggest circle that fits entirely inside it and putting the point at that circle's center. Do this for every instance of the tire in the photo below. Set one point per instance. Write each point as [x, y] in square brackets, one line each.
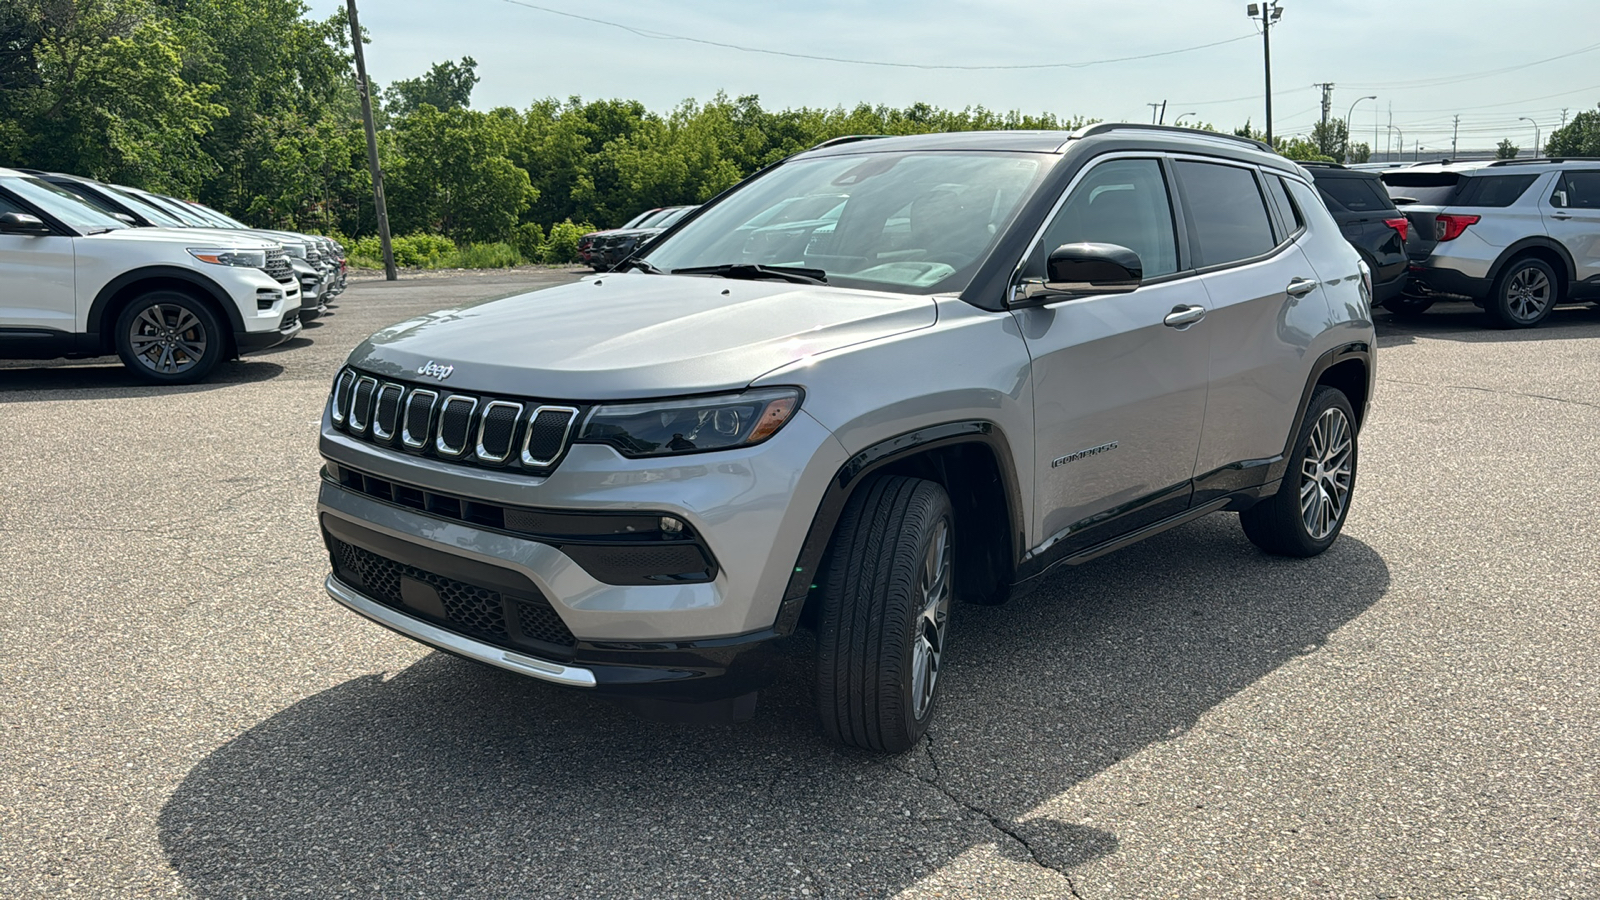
[169, 337]
[886, 598]
[1403, 307]
[1523, 294]
[1306, 515]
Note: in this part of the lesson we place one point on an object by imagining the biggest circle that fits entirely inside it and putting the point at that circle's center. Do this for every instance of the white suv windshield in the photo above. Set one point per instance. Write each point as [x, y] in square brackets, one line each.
[912, 222]
[64, 205]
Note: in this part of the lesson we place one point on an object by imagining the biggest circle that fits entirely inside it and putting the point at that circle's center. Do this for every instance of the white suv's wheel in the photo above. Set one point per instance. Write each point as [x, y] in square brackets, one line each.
[1523, 294]
[886, 615]
[168, 337]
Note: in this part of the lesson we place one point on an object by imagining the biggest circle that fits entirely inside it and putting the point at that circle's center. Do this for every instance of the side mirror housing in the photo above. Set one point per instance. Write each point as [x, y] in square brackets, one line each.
[1079, 270]
[125, 218]
[22, 223]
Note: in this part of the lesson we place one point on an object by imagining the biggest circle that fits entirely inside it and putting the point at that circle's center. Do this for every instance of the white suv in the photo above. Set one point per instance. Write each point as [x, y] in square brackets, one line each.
[76, 281]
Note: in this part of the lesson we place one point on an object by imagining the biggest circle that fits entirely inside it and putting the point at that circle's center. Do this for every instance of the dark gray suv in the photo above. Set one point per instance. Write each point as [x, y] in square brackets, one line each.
[991, 354]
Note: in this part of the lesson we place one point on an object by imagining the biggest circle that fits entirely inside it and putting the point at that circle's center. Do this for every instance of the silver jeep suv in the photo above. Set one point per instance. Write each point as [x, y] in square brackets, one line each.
[1517, 237]
[995, 353]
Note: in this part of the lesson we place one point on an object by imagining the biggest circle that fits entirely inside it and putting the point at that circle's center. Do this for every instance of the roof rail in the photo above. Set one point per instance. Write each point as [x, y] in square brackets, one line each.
[1104, 127]
[1319, 164]
[1540, 160]
[848, 139]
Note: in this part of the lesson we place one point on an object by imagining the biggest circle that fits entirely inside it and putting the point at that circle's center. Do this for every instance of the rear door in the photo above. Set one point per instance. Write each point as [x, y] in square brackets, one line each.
[1362, 208]
[1576, 224]
[1119, 396]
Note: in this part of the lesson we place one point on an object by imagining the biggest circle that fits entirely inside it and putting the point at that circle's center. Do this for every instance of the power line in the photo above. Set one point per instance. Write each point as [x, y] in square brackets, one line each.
[667, 36]
[1440, 80]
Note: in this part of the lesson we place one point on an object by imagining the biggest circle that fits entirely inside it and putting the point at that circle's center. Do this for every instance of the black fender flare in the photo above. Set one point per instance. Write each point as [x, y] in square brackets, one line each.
[863, 463]
[1354, 350]
[115, 286]
[1541, 242]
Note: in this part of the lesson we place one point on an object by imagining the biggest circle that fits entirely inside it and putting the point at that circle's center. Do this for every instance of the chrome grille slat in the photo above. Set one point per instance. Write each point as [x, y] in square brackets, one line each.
[486, 431]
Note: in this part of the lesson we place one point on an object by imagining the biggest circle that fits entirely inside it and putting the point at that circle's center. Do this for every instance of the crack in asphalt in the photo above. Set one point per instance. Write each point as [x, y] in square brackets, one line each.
[1469, 387]
[999, 824]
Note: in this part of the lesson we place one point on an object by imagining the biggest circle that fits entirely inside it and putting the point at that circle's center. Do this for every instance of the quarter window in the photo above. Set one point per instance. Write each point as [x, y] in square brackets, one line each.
[1287, 212]
[1227, 213]
[1122, 202]
[1583, 190]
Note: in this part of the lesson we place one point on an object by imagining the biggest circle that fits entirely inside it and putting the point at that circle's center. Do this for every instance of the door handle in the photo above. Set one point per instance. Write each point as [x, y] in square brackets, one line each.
[1184, 315]
[1300, 287]
[1562, 216]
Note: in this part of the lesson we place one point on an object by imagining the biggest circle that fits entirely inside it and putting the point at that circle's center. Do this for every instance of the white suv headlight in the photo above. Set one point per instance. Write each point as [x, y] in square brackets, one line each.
[244, 259]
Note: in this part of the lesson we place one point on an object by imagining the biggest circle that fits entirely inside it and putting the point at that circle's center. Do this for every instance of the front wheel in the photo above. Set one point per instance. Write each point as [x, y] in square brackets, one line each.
[1523, 294]
[885, 619]
[167, 337]
[1306, 514]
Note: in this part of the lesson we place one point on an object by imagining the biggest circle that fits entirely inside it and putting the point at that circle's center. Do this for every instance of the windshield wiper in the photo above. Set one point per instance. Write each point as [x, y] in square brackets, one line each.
[100, 230]
[753, 272]
[644, 266]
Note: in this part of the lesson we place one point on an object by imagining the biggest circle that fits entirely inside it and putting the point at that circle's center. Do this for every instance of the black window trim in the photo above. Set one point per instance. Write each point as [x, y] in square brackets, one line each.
[1174, 201]
[61, 228]
[1267, 204]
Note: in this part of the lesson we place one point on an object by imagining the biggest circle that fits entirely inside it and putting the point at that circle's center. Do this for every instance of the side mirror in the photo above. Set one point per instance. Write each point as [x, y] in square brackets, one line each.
[22, 223]
[125, 219]
[1078, 270]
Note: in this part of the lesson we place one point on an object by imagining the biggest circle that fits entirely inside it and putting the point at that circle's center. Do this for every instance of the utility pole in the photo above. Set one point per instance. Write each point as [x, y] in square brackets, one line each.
[1153, 108]
[1269, 13]
[1454, 130]
[1163, 119]
[1564, 116]
[389, 272]
[1327, 104]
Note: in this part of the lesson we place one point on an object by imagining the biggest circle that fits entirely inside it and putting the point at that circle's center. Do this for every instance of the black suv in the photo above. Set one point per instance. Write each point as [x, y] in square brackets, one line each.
[1372, 224]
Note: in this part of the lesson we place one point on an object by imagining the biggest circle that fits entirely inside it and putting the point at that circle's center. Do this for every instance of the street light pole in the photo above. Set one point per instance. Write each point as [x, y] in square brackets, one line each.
[1347, 126]
[1269, 13]
[1179, 120]
[1535, 134]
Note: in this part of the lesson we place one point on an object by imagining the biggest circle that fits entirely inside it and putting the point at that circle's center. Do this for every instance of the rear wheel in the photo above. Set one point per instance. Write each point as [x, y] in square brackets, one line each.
[1306, 514]
[1523, 294]
[886, 597]
[168, 337]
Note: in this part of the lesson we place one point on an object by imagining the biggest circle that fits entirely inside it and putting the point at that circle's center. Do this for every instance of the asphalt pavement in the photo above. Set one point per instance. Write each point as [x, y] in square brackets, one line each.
[1414, 714]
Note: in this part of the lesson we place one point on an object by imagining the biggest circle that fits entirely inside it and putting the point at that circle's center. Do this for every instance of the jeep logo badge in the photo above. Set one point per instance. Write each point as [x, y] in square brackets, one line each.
[434, 370]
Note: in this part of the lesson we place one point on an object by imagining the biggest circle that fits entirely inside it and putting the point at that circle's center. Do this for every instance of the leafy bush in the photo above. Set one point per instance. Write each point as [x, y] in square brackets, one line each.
[528, 238]
[411, 251]
[498, 255]
[562, 245]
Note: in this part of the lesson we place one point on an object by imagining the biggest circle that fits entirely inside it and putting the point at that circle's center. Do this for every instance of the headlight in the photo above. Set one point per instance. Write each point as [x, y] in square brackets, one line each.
[293, 248]
[244, 259]
[691, 425]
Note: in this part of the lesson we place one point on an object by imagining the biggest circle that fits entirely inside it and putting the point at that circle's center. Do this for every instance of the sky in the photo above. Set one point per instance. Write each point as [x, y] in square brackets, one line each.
[1488, 61]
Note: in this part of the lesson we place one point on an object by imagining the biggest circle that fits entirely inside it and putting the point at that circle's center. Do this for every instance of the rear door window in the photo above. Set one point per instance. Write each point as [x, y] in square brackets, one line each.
[1583, 190]
[1227, 212]
[1493, 191]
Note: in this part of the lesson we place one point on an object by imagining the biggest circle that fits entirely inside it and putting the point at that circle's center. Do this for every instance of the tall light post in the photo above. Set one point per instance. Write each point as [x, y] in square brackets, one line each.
[1348, 124]
[1400, 143]
[1535, 134]
[1179, 120]
[1269, 13]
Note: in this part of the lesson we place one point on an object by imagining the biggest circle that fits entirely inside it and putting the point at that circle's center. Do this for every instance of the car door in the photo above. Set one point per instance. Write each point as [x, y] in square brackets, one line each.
[1119, 396]
[1266, 306]
[1576, 224]
[37, 281]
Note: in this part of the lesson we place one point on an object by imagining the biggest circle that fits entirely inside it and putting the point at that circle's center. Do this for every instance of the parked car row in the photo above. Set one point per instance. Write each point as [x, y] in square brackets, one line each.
[170, 286]
[603, 250]
[1517, 237]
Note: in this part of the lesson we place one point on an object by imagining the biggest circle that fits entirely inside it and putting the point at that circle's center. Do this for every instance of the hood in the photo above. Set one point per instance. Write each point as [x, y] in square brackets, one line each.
[189, 237]
[632, 335]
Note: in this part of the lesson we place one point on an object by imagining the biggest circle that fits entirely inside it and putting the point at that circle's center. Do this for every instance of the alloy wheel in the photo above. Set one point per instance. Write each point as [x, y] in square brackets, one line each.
[933, 620]
[1527, 294]
[1326, 474]
[167, 338]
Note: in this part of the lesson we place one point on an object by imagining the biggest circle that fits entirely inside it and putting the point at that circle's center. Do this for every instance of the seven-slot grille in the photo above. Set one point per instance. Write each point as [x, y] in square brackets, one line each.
[495, 432]
[278, 266]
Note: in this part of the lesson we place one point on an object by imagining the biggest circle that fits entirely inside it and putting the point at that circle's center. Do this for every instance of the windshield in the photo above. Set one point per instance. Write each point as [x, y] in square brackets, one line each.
[652, 218]
[137, 204]
[226, 221]
[175, 210]
[911, 222]
[668, 221]
[65, 205]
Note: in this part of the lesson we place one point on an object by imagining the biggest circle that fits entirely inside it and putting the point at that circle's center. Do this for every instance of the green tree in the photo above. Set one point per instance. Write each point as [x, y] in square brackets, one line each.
[447, 85]
[1581, 136]
[450, 174]
[1360, 153]
[1506, 150]
[1329, 138]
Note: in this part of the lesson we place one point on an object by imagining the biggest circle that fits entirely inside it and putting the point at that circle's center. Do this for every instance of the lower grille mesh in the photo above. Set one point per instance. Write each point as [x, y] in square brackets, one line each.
[478, 611]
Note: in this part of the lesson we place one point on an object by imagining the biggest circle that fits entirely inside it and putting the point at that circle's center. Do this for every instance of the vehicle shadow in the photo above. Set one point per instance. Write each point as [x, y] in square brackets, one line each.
[107, 378]
[452, 779]
[1467, 323]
